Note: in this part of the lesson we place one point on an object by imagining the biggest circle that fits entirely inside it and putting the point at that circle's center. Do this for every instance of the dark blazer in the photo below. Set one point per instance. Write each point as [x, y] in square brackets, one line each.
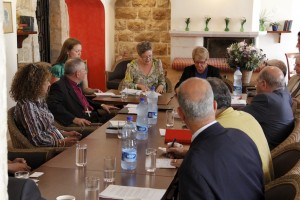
[65, 105]
[191, 70]
[23, 189]
[221, 164]
[274, 113]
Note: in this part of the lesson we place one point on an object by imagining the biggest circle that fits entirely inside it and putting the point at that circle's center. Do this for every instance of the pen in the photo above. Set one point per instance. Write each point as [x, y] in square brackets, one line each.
[173, 142]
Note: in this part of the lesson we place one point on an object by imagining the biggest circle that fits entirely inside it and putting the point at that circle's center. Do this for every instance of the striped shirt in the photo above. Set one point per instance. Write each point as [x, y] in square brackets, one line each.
[36, 122]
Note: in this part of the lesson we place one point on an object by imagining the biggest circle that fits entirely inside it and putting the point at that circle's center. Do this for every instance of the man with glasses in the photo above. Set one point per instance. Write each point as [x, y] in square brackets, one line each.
[200, 69]
[271, 106]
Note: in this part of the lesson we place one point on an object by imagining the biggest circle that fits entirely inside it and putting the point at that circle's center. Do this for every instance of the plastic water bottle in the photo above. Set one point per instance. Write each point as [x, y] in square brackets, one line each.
[142, 120]
[129, 151]
[237, 82]
[152, 106]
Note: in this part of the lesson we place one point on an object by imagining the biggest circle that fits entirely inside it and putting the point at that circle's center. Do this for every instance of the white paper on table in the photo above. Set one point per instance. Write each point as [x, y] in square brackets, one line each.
[133, 91]
[116, 123]
[162, 131]
[164, 163]
[131, 193]
[132, 111]
[238, 101]
[148, 92]
[131, 105]
[104, 94]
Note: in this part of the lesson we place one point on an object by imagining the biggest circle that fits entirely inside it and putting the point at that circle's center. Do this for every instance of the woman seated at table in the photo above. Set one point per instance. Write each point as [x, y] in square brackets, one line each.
[200, 69]
[70, 49]
[145, 72]
[32, 116]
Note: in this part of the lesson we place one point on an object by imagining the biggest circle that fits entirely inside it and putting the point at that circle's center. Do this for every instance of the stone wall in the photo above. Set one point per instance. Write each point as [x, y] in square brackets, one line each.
[140, 20]
[30, 48]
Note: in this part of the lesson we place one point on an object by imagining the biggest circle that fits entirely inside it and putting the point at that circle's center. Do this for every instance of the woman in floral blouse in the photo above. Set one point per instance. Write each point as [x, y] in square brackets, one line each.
[145, 72]
[32, 116]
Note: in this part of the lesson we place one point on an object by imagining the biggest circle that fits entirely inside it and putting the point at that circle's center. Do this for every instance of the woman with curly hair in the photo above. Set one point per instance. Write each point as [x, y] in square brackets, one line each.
[32, 116]
[145, 72]
[71, 49]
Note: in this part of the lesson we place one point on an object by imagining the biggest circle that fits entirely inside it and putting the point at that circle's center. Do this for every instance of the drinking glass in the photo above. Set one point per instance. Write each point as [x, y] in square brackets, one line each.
[109, 168]
[124, 92]
[92, 187]
[22, 174]
[81, 155]
[150, 163]
[169, 118]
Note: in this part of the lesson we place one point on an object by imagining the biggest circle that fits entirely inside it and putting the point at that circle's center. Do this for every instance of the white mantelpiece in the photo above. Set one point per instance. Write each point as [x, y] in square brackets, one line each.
[215, 34]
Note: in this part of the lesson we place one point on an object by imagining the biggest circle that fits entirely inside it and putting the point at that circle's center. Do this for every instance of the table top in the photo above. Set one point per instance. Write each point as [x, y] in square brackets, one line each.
[164, 99]
[62, 176]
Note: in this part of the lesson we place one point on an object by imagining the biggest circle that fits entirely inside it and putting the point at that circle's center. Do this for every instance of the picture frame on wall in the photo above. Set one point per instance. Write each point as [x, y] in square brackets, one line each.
[8, 20]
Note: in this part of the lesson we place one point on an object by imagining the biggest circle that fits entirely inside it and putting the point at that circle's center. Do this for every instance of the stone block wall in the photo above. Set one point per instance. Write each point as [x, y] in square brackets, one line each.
[141, 20]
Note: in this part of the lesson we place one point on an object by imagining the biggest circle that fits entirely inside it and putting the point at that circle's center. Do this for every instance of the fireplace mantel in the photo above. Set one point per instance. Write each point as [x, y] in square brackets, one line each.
[215, 34]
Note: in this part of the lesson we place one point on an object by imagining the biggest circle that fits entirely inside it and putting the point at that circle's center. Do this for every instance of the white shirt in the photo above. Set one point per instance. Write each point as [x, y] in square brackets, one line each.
[202, 129]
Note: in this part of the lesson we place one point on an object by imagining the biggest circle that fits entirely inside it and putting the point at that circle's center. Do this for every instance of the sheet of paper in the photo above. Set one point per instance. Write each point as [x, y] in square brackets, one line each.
[131, 105]
[116, 123]
[162, 132]
[104, 94]
[131, 193]
[238, 102]
[164, 163]
[36, 174]
[132, 111]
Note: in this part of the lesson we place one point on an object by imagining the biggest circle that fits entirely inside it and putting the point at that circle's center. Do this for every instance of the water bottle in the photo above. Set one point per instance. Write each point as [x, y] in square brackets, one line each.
[142, 120]
[152, 106]
[237, 82]
[129, 152]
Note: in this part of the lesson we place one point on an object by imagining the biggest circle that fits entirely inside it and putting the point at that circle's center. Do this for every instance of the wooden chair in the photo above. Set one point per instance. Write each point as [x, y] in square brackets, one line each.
[289, 57]
[19, 141]
[114, 77]
[283, 188]
[292, 138]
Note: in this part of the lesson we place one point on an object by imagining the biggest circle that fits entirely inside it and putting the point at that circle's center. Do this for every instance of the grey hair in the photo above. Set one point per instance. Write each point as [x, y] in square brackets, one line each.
[221, 92]
[71, 66]
[142, 47]
[272, 81]
[195, 110]
[200, 53]
[277, 63]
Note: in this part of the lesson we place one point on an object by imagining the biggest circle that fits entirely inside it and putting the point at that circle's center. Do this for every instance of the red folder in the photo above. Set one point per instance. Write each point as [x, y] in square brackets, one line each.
[183, 136]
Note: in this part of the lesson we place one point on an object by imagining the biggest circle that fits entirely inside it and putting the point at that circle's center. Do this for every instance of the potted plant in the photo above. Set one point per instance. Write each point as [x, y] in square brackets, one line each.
[275, 25]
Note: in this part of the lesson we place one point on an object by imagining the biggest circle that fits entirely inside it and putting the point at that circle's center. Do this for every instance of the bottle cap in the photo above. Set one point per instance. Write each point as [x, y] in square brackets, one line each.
[152, 88]
[142, 99]
[129, 118]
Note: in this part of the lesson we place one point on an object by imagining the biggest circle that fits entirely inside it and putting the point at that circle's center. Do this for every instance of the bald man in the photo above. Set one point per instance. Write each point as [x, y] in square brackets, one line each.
[221, 163]
[271, 106]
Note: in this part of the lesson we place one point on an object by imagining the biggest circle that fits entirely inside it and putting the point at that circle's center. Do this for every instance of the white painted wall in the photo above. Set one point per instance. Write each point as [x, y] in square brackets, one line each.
[8, 61]
[278, 10]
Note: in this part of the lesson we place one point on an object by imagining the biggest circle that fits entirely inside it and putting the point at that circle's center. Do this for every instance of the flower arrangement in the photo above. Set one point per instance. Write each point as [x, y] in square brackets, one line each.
[207, 19]
[227, 20]
[245, 56]
[243, 21]
[187, 22]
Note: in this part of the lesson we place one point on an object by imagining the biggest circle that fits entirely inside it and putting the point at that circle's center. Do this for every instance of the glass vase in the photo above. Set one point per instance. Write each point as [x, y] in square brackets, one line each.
[206, 27]
[226, 28]
[242, 28]
[187, 28]
[261, 25]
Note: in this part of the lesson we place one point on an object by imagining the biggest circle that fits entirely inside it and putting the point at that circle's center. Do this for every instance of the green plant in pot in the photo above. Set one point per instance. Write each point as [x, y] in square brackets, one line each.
[275, 26]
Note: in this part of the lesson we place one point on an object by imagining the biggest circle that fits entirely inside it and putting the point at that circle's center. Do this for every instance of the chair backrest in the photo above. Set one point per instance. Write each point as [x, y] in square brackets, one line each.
[17, 138]
[292, 138]
[289, 57]
[286, 187]
[120, 68]
[286, 160]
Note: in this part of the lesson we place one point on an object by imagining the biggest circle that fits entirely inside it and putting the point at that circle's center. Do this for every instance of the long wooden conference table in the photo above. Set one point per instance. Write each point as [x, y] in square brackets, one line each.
[62, 176]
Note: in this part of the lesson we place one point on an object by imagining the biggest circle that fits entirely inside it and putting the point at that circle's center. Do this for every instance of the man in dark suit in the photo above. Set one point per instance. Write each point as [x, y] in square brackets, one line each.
[271, 106]
[200, 69]
[23, 189]
[221, 163]
[67, 102]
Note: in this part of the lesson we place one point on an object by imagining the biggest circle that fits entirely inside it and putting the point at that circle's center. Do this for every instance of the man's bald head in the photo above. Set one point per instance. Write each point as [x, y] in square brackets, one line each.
[196, 99]
[273, 78]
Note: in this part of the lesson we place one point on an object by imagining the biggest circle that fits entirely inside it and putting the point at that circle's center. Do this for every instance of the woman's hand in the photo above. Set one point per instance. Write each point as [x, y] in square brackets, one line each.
[107, 108]
[81, 121]
[144, 88]
[69, 141]
[160, 89]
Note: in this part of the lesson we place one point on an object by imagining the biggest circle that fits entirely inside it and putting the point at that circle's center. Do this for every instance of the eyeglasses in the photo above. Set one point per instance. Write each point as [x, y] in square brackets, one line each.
[146, 57]
[200, 62]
